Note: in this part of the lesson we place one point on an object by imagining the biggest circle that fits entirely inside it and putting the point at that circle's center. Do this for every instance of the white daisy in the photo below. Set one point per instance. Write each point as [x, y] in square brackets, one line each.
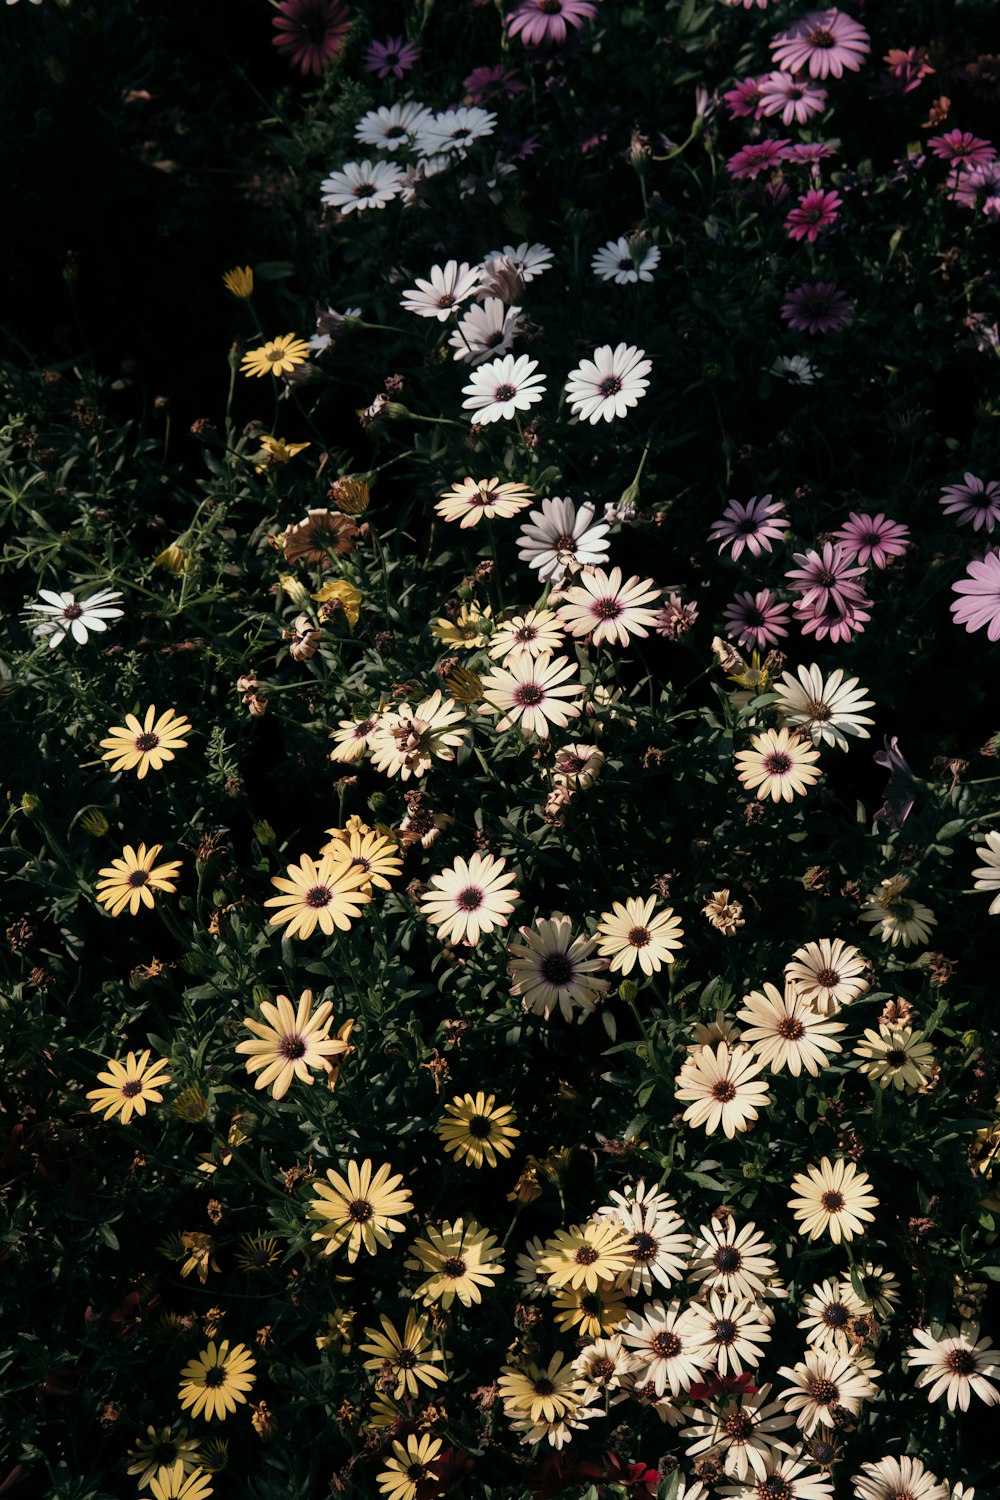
[601, 1367]
[658, 1242]
[449, 285]
[730, 1261]
[623, 261]
[898, 1479]
[741, 1433]
[987, 877]
[796, 369]
[537, 631]
[785, 1032]
[469, 899]
[560, 538]
[532, 692]
[723, 1088]
[503, 387]
[828, 1309]
[329, 323]
[361, 184]
[527, 260]
[730, 1330]
[607, 385]
[828, 974]
[958, 1365]
[487, 328]
[662, 1342]
[393, 125]
[827, 711]
[67, 616]
[553, 968]
[819, 1384]
[603, 608]
[783, 1478]
[454, 130]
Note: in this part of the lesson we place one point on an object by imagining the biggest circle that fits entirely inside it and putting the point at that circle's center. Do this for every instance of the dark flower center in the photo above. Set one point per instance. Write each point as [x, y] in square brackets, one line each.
[292, 1047]
[318, 897]
[529, 694]
[827, 978]
[405, 1359]
[543, 1386]
[960, 1361]
[564, 542]
[778, 764]
[415, 1471]
[394, 132]
[586, 1255]
[215, 1377]
[480, 1127]
[361, 190]
[665, 1345]
[820, 37]
[724, 1331]
[638, 937]
[723, 1092]
[608, 609]
[791, 1028]
[360, 1210]
[824, 1392]
[471, 899]
[737, 1426]
[453, 1267]
[137, 878]
[644, 1246]
[625, 264]
[610, 385]
[835, 1315]
[147, 742]
[774, 1488]
[165, 1454]
[505, 393]
[526, 633]
[550, 7]
[132, 1088]
[602, 1369]
[72, 612]
[832, 1202]
[556, 968]
[727, 1259]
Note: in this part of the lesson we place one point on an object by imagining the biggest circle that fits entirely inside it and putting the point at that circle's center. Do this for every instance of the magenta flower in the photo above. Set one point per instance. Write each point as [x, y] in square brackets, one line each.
[817, 307]
[822, 576]
[900, 791]
[794, 99]
[839, 618]
[873, 539]
[810, 153]
[821, 44]
[541, 23]
[963, 148]
[980, 601]
[758, 157]
[815, 210]
[907, 68]
[743, 99]
[753, 526]
[394, 56]
[756, 620]
[311, 32]
[973, 502]
[977, 186]
[487, 85]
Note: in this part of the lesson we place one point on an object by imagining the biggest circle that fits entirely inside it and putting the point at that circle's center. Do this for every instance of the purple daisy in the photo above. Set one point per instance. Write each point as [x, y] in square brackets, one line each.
[973, 503]
[976, 186]
[963, 148]
[817, 307]
[840, 619]
[487, 85]
[743, 99]
[873, 539]
[814, 211]
[752, 526]
[795, 99]
[311, 32]
[756, 620]
[394, 55]
[900, 790]
[758, 157]
[980, 601]
[822, 44]
[541, 23]
[831, 574]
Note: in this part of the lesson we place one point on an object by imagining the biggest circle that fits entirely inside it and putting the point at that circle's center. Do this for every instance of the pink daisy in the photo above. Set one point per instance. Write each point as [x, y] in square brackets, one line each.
[810, 153]
[974, 186]
[603, 608]
[822, 576]
[756, 620]
[752, 526]
[487, 85]
[758, 157]
[311, 32]
[980, 601]
[973, 503]
[817, 307]
[873, 539]
[543, 22]
[743, 99]
[823, 43]
[816, 210]
[795, 99]
[963, 148]
[394, 56]
[838, 619]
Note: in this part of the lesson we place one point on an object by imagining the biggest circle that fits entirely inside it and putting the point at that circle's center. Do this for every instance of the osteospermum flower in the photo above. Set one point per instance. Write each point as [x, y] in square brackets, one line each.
[894, 1478]
[474, 499]
[828, 711]
[503, 387]
[477, 1130]
[375, 854]
[727, 1259]
[756, 620]
[750, 526]
[623, 261]
[532, 692]
[542, 23]
[723, 1087]
[528, 261]
[873, 539]
[360, 1210]
[290, 1043]
[537, 632]
[362, 184]
[162, 1450]
[277, 357]
[407, 741]
[730, 1330]
[586, 1256]
[821, 1383]
[561, 538]
[601, 1369]
[448, 286]
[659, 1245]
[328, 893]
[461, 1258]
[781, 1477]
[828, 974]
[757, 157]
[958, 1365]
[817, 307]
[311, 33]
[903, 920]
[796, 100]
[606, 386]
[829, 1309]
[410, 1466]
[664, 1346]
[351, 739]
[987, 876]
[392, 125]
[553, 968]
[146, 746]
[973, 502]
[486, 329]
[979, 601]
[834, 1199]
[128, 1086]
[896, 1057]
[409, 1356]
[539, 1394]
[216, 1382]
[65, 615]
[822, 44]
[741, 1433]
[600, 607]
[394, 55]
[785, 1032]
[131, 880]
[174, 1482]
[454, 130]
[815, 210]
[629, 934]
[829, 574]
[470, 899]
[780, 765]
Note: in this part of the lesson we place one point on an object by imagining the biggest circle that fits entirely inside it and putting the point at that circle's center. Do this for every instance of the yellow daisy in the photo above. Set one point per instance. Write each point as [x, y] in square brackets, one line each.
[328, 893]
[834, 1198]
[239, 281]
[477, 1129]
[409, 1465]
[467, 630]
[274, 450]
[375, 854]
[590, 1314]
[586, 1255]
[217, 1381]
[277, 357]
[148, 745]
[402, 1359]
[290, 1043]
[131, 880]
[460, 1259]
[129, 1086]
[360, 1209]
[173, 1483]
[162, 1450]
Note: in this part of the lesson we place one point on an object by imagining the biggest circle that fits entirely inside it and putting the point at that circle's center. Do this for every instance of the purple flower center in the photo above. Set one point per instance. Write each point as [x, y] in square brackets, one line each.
[820, 37]
[471, 899]
[610, 385]
[528, 695]
[72, 612]
[505, 393]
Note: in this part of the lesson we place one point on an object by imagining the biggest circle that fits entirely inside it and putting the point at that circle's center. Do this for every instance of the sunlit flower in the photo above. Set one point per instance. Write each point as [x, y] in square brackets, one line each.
[484, 330]
[780, 765]
[409, 1358]
[131, 880]
[461, 1258]
[663, 1343]
[979, 601]
[750, 526]
[561, 538]
[66, 616]
[725, 915]
[896, 1478]
[659, 1245]
[374, 853]
[406, 741]
[146, 746]
[896, 1057]
[328, 893]
[833, 1199]
[503, 387]
[601, 1368]
[552, 968]
[815, 210]
[723, 1087]
[276, 357]
[829, 1309]
[410, 1466]
[828, 974]
[756, 620]
[539, 1394]
[987, 876]
[215, 1382]
[351, 739]
[822, 44]
[785, 1032]
[607, 385]
[438, 297]
[873, 539]
[455, 130]
[958, 1365]
[359, 1210]
[477, 1130]
[781, 1477]
[393, 125]
[727, 1259]
[624, 261]
[730, 1330]
[290, 1043]
[601, 607]
[128, 1087]
[902, 919]
[467, 630]
[175, 1482]
[742, 1433]
[470, 899]
[532, 693]
[629, 934]
[586, 1255]
[796, 100]
[822, 1383]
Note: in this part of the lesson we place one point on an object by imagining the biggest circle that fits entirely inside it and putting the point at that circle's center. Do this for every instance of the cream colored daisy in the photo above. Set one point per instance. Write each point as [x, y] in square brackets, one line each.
[411, 1465]
[477, 1130]
[785, 1032]
[540, 1394]
[460, 1259]
[827, 710]
[587, 1255]
[600, 607]
[729, 1260]
[829, 973]
[833, 1199]
[553, 968]
[375, 854]
[902, 919]
[896, 1057]
[730, 1330]
[327, 893]
[532, 692]
[822, 1384]
[958, 1365]
[898, 1479]
[129, 1086]
[601, 1369]
[406, 741]
[473, 499]
[723, 1088]
[147, 746]
[629, 934]
[742, 1433]
[467, 631]
[829, 1310]
[987, 876]
[360, 1210]
[352, 737]
[577, 767]
[290, 1043]
[663, 1342]
[537, 632]
[409, 1359]
[470, 899]
[781, 765]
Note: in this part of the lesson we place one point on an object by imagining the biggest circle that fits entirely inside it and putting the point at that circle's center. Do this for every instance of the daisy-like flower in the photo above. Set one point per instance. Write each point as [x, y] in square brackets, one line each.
[375, 854]
[958, 1365]
[311, 33]
[828, 974]
[586, 1256]
[723, 1088]
[328, 893]
[724, 914]
[501, 388]
[238, 281]
[351, 739]
[455, 130]
[128, 1086]
[780, 765]
[406, 741]
[829, 574]
[461, 1258]
[743, 100]
[588, 1315]
[730, 1330]
[782, 1477]
[601, 1369]
[785, 1032]
[829, 1309]
[577, 767]
[162, 1450]
[902, 920]
[829, 711]
[217, 1381]
[742, 1433]
[477, 1130]
[815, 210]
[624, 261]
[963, 147]
[727, 1260]
[796, 369]
[833, 1199]
[553, 968]
[600, 607]
[276, 357]
[468, 630]
[360, 1210]
[663, 1343]
[898, 1479]
[659, 1245]
[362, 184]
[539, 1394]
[528, 261]
[146, 746]
[839, 619]
[877, 1288]
[131, 880]
[752, 526]
[757, 157]
[541, 23]
[973, 503]
[394, 55]
[607, 385]
[322, 535]
[821, 1383]
[822, 44]
[873, 539]
[629, 934]
[979, 601]
[473, 499]
[896, 1057]
[560, 538]
[485, 85]
[409, 1356]
[174, 1482]
[470, 899]
[537, 633]
[817, 307]
[558, 1433]
[487, 328]
[393, 125]
[532, 692]
[756, 620]
[65, 615]
[410, 1466]
[448, 286]
[987, 876]
[290, 1043]
[796, 100]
